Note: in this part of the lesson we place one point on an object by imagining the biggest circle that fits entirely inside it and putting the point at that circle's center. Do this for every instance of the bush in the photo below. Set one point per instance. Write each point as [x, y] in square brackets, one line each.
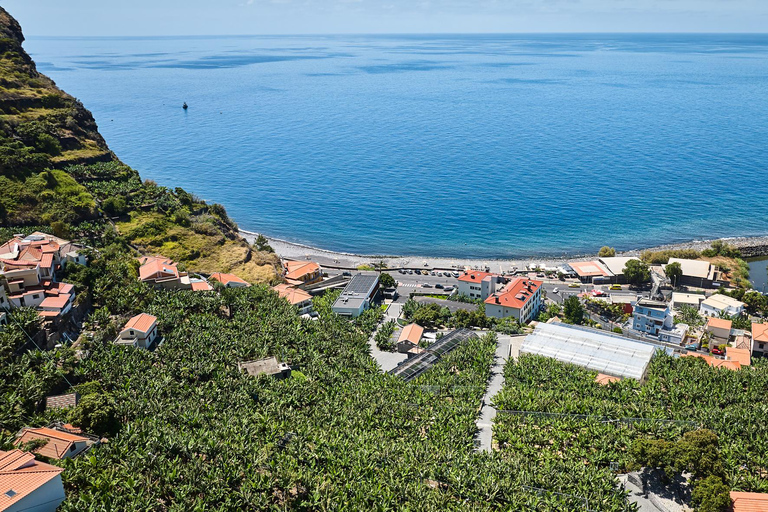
[386, 280]
[606, 252]
[96, 414]
[662, 257]
[711, 495]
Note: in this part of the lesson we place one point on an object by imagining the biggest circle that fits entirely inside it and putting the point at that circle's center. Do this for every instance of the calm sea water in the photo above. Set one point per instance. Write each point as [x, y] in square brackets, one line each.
[485, 146]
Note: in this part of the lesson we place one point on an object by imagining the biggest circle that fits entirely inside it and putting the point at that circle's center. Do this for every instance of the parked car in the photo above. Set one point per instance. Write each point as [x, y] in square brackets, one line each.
[692, 346]
[448, 288]
[346, 273]
[425, 272]
[717, 351]
[574, 285]
[410, 271]
[439, 286]
[426, 285]
[455, 274]
[439, 274]
[556, 290]
[401, 271]
[615, 287]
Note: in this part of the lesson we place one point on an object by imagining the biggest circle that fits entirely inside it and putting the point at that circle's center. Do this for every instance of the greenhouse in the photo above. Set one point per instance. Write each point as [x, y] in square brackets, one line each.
[415, 366]
[606, 353]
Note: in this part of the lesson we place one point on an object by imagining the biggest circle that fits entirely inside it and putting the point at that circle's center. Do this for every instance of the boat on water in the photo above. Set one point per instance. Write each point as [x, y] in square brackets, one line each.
[185, 106]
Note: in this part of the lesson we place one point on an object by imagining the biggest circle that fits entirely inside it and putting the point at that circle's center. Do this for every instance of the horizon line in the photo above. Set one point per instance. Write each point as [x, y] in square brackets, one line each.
[392, 34]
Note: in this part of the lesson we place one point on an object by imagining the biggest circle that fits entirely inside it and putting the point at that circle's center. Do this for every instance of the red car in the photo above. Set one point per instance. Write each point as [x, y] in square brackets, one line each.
[717, 351]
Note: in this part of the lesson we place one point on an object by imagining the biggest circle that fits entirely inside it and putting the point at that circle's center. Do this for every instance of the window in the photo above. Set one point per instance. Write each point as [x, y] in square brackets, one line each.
[72, 448]
[132, 333]
[36, 296]
[10, 493]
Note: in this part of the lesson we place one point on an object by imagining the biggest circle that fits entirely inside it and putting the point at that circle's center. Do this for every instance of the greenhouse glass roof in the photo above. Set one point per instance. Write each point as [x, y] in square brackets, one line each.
[604, 352]
[415, 366]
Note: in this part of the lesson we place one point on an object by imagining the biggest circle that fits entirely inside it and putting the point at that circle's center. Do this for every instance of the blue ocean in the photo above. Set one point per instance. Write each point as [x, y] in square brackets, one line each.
[464, 146]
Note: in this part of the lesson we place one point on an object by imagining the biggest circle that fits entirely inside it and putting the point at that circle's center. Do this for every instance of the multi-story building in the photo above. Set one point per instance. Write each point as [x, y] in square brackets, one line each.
[477, 284]
[719, 304]
[650, 316]
[520, 299]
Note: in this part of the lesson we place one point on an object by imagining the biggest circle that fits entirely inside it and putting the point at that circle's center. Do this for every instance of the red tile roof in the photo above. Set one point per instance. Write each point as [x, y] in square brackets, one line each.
[225, 279]
[749, 501]
[299, 269]
[152, 265]
[47, 260]
[719, 323]
[516, 294]
[141, 322]
[474, 276]
[740, 355]
[715, 362]
[57, 302]
[291, 294]
[58, 442]
[20, 472]
[604, 379]
[412, 333]
[760, 332]
[201, 286]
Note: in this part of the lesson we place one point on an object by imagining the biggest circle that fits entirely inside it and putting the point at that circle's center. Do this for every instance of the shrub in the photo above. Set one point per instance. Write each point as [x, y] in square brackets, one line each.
[711, 495]
[606, 252]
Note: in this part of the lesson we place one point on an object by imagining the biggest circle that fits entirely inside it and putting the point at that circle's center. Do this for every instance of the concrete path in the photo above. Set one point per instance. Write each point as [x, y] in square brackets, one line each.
[387, 360]
[507, 346]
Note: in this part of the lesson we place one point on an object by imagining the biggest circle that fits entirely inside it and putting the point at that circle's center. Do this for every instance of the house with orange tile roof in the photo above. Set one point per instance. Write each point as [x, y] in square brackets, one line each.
[198, 285]
[27, 484]
[58, 444]
[305, 272]
[296, 296]
[477, 284]
[229, 280]
[749, 501]
[409, 337]
[140, 331]
[719, 329]
[715, 362]
[759, 339]
[740, 355]
[163, 273]
[520, 299]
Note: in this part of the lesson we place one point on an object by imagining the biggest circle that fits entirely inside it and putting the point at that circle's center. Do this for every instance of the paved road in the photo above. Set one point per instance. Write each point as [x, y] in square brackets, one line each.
[506, 346]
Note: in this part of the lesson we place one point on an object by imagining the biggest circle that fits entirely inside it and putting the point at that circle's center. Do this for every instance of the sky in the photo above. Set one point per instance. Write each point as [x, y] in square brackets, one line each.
[250, 17]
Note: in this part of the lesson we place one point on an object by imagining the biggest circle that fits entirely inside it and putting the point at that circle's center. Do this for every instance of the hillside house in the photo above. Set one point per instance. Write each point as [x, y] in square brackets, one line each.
[719, 329]
[759, 339]
[139, 332]
[477, 284]
[58, 445]
[27, 484]
[409, 338]
[229, 280]
[719, 304]
[163, 273]
[302, 272]
[296, 296]
[357, 296]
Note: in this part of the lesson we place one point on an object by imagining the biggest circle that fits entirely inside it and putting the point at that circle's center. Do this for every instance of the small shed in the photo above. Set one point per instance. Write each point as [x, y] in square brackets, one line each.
[62, 401]
[266, 366]
[410, 337]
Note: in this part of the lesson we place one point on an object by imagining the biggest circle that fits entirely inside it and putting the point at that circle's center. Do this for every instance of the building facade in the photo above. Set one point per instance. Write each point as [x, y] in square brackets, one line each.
[520, 299]
[650, 316]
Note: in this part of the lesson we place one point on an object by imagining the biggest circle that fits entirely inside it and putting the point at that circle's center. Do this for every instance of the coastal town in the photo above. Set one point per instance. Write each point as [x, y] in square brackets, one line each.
[609, 314]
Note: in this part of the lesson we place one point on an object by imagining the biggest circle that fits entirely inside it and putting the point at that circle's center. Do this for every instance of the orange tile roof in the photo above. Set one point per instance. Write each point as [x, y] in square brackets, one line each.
[715, 362]
[749, 501]
[141, 322]
[741, 355]
[30, 254]
[57, 302]
[474, 276]
[48, 314]
[719, 323]
[47, 260]
[225, 279]
[516, 294]
[412, 333]
[291, 294]
[20, 472]
[588, 268]
[604, 379]
[760, 333]
[201, 286]
[58, 442]
[151, 265]
[298, 269]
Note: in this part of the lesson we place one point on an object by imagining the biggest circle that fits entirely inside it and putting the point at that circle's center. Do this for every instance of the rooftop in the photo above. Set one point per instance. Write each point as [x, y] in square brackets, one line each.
[22, 474]
[616, 264]
[474, 276]
[227, 278]
[359, 289]
[412, 333]
[266, 366]
[292, 294]
[720, 301]
[151, 265]
[715, 362]
[749, 501]
[740, 355]
[687, 298]
[588, 268]
[695, 268]
[760, 332]
[606, 353]
[59, 443]
[719, 323]
[141, 322]
[298, 269]
[415, 366]
[516, 294]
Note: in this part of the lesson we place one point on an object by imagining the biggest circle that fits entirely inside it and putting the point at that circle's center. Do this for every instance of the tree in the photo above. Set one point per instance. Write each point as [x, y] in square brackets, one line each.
[96, 413]
[573, 310]
[637, 272]
[674, 272]
[386, 280]
[606, 252]
[690, 316]
[711, 495]
[262, 244]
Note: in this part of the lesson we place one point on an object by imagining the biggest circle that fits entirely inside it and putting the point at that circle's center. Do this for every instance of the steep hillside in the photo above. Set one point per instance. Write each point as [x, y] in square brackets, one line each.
[56, 172]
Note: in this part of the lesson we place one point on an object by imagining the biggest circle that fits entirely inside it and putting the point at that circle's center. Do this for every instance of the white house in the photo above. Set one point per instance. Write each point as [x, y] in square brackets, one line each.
[28, 485]
[520, 299]
[140, 331]
[719, 304]
[476, 284]
[357, 296]
[692, 300]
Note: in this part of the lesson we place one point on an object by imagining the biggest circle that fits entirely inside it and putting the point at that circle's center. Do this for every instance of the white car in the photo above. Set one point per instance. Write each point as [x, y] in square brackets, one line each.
[556, 290]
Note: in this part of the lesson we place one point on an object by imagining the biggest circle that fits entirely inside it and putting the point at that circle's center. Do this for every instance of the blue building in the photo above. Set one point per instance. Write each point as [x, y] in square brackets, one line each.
[650, 316]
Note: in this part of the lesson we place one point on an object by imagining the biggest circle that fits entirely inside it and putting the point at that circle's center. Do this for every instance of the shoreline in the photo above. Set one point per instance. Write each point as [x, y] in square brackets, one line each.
[752, 246]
